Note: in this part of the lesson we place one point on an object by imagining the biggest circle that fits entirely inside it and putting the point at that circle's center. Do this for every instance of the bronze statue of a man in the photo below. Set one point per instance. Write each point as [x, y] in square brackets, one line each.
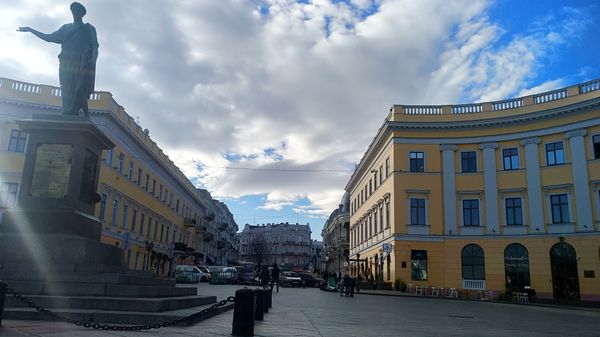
[79, 51]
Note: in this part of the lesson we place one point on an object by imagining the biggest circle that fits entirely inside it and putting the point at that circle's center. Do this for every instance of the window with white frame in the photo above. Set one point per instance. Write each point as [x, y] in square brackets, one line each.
[514, 211]
[468, 161]
[417, 161]
[510, 158]
[103, 198]
[115, 211]
[8, 195]
[387, 214]
[387, 167]
[130, 171]
[17, 140]
[559, 204]
[121, 163]
[596, 144]
[470, 212]
[417, 211]
[380, 174]
[555, 154]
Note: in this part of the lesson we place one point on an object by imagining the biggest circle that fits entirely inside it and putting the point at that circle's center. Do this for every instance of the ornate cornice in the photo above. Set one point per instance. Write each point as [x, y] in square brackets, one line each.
[575, 133]
[534, 140]
[488, 146]
[448, 147]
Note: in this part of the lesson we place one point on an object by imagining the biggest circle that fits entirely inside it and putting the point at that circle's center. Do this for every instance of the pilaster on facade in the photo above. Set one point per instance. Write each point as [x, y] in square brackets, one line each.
[585, 222]
[534, 185]
[449, 179]
[491, 188]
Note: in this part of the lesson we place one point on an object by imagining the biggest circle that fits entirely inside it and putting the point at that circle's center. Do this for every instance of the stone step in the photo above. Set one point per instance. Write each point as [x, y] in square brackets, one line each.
[98, 289]
[115, 317]
[159, 304]
[129, 277]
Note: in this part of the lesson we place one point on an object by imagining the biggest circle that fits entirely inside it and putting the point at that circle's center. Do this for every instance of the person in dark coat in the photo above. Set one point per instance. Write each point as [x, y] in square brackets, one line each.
[264, 277]
[275, 276]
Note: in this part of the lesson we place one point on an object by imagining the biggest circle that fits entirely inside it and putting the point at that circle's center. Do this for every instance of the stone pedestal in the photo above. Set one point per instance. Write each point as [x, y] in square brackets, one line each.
[53, 222]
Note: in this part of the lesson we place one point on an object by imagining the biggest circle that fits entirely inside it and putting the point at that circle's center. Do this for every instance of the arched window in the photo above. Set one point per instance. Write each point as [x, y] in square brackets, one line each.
[516, 267]
[473, 263]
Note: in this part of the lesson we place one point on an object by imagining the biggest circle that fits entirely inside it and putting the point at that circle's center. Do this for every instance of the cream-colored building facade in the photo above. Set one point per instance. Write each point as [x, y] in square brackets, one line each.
[148, 207]
[501, 196]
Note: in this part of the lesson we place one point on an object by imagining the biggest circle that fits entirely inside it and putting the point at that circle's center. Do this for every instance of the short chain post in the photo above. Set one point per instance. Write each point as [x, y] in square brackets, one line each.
[243, 313]
[270, 298]
[266, 294]
[3, 287]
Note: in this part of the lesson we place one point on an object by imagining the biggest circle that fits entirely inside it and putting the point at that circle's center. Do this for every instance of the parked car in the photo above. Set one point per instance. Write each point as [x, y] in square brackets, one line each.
[230, 274]
[311, 280]
[290, 279]
[205, 275]
[187, 274]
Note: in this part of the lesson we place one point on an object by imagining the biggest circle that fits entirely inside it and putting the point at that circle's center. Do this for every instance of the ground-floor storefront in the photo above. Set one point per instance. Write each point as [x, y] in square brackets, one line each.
[559, 267]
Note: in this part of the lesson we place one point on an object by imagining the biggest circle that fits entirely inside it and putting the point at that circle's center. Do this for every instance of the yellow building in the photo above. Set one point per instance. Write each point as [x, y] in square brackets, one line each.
[498, 196]
[148, 208]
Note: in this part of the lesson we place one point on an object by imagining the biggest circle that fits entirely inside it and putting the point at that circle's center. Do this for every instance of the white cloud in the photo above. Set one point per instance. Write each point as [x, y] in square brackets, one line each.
[312, 82]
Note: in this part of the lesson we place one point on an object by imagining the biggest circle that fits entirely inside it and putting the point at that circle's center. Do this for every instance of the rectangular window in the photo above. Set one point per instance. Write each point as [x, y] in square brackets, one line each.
[102, 206]
[109, 155]
[514, 212]
[121, 163]
[375, 179]
[471, 212]
[370, 226]
[375, 229]
[153, 186]
[370, 186]
[468, 161]
[149, 228]
[417, 162]
[147, 182]
[511, 159]
[560, 208]
[381, 220]
[380, 174]
[139, 177]
[134, 220]
[130, 171]
[142, 224]
[160, 192]
[155, 229]
[125, 214]
[387, 167]
[115, 211]
[387, 215]
[8, 195]
[177, 206]
[418, 265]
[596, 141]
[555, 154]
[417, 211]
[17, 141]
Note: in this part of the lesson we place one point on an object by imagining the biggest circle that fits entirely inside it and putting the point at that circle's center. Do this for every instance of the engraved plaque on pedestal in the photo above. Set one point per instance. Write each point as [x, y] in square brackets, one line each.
[51, 170]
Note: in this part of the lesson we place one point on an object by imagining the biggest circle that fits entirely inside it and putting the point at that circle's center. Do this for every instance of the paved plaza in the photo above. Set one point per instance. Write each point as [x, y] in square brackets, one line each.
[311, 312]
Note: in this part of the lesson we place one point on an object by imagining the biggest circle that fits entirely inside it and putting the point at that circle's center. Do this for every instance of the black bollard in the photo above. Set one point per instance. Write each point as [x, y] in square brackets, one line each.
[3, 287]
[258, 305]
[243, 313]
[266, 294]
[270, 298]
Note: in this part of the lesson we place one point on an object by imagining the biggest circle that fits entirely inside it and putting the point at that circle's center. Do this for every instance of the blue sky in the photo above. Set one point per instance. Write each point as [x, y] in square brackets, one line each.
[269, 104]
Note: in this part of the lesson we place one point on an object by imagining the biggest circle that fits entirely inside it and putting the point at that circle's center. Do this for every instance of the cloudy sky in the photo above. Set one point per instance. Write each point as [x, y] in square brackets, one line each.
[269, 104]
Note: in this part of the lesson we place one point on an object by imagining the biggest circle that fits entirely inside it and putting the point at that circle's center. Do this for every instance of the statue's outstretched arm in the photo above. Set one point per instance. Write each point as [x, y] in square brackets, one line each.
[43, 36]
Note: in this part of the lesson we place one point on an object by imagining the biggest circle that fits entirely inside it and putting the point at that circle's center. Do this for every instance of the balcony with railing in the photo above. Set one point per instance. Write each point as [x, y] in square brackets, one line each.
[189, 222]
[473, 284]
[514, 106]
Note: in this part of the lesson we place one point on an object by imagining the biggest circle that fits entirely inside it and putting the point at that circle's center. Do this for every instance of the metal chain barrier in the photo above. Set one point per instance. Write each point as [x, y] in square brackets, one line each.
[98, 326]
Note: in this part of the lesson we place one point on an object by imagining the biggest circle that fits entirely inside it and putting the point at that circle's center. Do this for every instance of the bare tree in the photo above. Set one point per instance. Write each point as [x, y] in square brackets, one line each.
[258, 247]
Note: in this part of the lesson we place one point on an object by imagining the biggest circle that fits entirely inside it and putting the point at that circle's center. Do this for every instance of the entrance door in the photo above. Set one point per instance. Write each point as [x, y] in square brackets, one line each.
[516, 268]
[565, 280]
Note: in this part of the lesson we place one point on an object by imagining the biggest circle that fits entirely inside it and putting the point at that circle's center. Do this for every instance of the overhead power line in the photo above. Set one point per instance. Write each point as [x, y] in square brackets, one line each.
[276, 169]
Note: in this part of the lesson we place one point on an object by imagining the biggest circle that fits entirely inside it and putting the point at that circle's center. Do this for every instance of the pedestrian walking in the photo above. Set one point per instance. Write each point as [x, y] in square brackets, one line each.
[347, 284]
[275, 276]
[264, 277]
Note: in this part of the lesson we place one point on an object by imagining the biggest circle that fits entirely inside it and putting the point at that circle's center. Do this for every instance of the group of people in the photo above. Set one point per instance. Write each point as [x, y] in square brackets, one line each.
[346, 285]
[273, 276]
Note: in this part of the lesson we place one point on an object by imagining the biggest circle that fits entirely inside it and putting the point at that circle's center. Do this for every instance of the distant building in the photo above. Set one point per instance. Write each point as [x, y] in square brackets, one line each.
[148, 207]
[335, 238]
[288, 245]
[316, 256]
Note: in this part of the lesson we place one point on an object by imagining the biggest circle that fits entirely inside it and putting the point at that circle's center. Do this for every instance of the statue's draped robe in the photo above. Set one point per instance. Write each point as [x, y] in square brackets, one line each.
[77, 69]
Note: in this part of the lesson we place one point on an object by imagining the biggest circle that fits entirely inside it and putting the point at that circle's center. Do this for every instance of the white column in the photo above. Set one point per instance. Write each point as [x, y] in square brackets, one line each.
[534, 185]
[448, 175]
[583, 204]
[492, 218]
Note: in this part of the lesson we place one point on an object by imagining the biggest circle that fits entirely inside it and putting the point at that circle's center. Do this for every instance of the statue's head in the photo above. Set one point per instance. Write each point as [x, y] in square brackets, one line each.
[77, 9]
